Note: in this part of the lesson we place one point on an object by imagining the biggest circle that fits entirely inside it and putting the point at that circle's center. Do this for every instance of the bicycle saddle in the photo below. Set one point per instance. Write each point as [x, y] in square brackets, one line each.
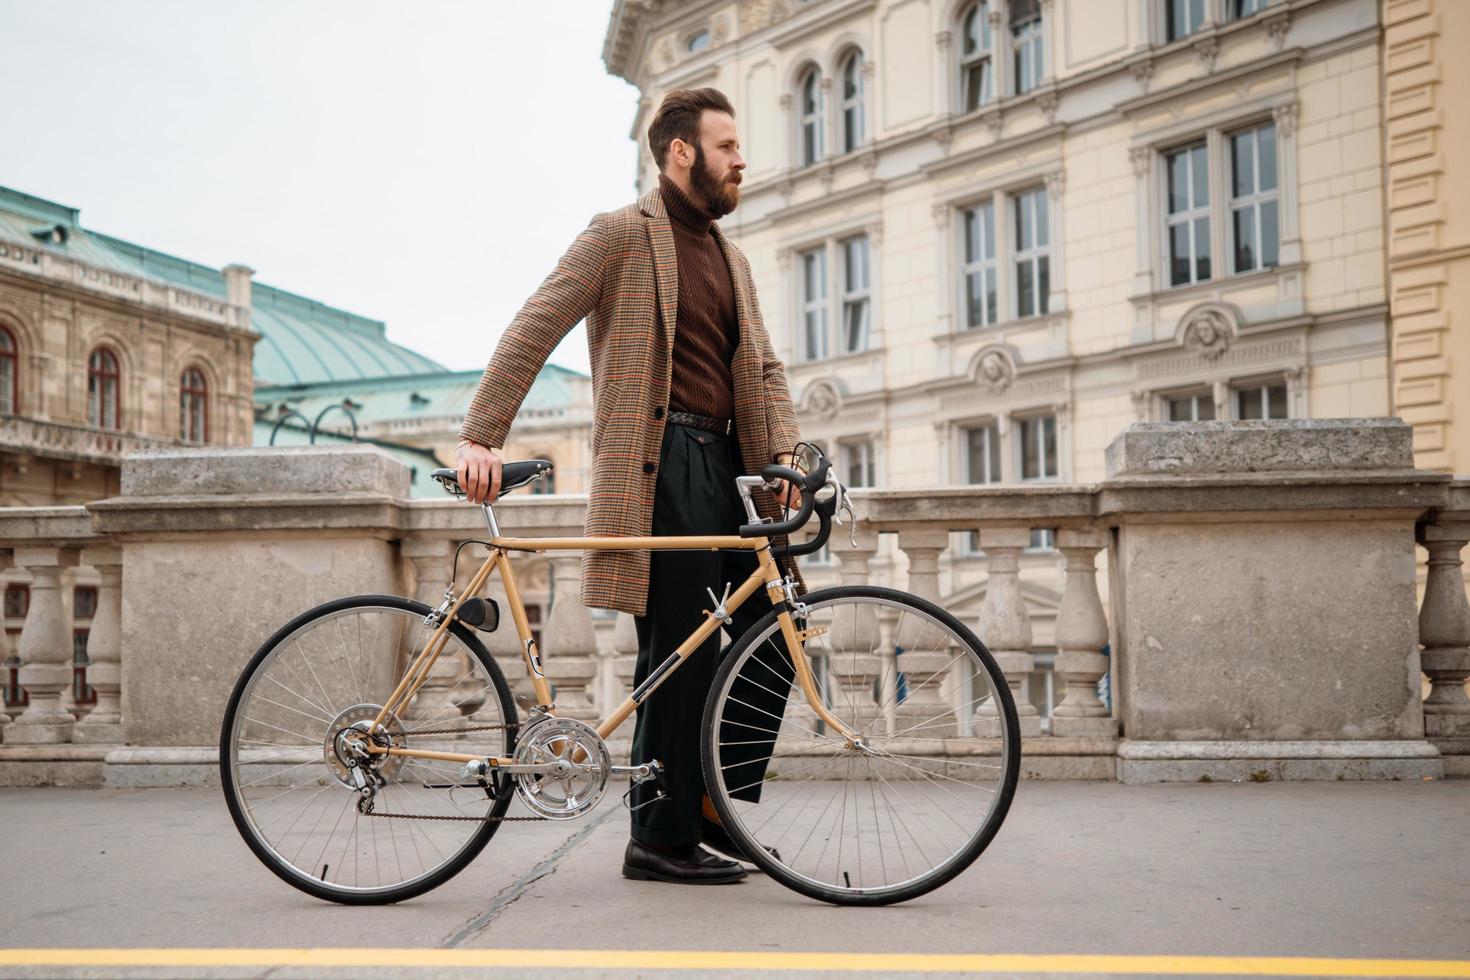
[512, 476]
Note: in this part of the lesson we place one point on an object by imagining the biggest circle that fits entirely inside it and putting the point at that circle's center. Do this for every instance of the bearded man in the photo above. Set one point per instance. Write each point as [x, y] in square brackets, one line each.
[687, 395]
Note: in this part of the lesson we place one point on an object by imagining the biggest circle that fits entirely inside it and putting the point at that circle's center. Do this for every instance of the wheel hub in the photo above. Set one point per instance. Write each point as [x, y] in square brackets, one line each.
[347, 737]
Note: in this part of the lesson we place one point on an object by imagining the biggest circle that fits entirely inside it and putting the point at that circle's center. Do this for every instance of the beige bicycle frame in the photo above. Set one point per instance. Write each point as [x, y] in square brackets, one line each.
[767, 573]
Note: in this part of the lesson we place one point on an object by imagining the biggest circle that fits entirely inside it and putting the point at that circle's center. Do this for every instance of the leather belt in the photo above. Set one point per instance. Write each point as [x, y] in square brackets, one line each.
[722, 426]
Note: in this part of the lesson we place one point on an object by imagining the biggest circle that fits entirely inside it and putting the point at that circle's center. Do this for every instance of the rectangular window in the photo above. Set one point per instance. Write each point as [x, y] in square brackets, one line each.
[17, 601]
[1245, 8]
[1198, 407]
[814, 303]
[859, 468]
[1038, 438]
[1261, 402]
[1188, 223]
[1033, 281]
[980, 271]
[1043, 539]
[1026, 44]
[1254, 199]
[856, 298]
[1182, 18]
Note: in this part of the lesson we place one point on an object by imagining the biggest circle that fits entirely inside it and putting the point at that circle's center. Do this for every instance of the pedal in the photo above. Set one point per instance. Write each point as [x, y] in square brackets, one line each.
[653, 770]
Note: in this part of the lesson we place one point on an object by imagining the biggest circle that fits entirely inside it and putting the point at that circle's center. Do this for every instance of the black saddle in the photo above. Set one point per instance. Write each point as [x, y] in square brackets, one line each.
[513, 476]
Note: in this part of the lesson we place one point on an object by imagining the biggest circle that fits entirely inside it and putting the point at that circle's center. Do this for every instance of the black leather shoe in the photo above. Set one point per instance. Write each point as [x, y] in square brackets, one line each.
[685, 866]
[714, 835]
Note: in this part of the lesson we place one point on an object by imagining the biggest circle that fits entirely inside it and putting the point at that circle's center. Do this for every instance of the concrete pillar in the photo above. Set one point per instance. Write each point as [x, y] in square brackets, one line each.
[45, 650]
[1005, 626]
[1082, 631]
[104, 650]
[1444, 632]
[571, 646]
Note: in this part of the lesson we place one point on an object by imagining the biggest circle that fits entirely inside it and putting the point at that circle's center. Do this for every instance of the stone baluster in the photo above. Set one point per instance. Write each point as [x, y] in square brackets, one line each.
[571, 646]
[1005, 626]
[924, 653]
[1082, 631]
[857, 660]
[430, 559]
[1444, 632]
[625, 659]
[45, 650]
[104, 650]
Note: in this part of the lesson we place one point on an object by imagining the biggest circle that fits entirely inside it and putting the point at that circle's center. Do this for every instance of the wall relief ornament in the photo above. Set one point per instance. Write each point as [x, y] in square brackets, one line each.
[1209, 330]
[823, 399]
[995, 371]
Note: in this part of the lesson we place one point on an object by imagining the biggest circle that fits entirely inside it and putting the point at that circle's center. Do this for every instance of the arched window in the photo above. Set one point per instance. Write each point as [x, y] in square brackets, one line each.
[852, 101]
[9, 373]
[193, 406]
[977, 63]
[102, 389]
[812, 144]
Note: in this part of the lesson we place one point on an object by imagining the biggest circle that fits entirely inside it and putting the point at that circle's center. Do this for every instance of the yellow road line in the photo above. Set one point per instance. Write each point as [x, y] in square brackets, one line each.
[626, 959]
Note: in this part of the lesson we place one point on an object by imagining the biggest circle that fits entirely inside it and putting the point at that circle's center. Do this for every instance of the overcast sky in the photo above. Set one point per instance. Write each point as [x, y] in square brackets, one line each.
[422, 163]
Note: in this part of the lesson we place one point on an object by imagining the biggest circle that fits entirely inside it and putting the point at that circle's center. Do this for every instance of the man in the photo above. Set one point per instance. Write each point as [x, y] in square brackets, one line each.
[688, 394]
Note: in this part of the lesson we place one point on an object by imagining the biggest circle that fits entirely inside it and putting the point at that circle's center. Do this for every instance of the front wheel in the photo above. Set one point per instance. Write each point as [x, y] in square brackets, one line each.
[293, 783]
[920, 795]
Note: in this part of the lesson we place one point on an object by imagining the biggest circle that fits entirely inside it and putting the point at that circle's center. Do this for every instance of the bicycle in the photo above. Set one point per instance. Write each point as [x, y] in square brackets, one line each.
[371, 747]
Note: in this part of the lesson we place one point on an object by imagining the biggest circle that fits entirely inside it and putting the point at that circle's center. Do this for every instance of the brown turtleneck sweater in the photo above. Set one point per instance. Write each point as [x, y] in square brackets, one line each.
[706, 331]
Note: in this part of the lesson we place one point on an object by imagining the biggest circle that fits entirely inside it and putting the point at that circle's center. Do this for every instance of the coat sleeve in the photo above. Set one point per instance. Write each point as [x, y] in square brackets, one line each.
[782, 431]
[568, 295]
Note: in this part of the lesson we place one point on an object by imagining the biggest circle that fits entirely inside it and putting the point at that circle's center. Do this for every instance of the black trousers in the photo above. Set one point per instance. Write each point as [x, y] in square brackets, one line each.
[696, 494]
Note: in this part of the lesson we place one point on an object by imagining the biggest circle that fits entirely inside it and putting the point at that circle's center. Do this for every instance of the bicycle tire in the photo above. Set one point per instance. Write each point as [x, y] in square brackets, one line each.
[721, 708]
[231, 767]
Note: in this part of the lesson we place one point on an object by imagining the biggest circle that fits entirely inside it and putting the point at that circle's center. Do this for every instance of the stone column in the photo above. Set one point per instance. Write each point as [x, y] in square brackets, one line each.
[1082, 630]
[430, 557]
[924, 655]
[45, 650]
[104, 650]
[5, 562]
[1444, 632]
[1005, 626]
[858, 660]
[571, 646]
[625, 659]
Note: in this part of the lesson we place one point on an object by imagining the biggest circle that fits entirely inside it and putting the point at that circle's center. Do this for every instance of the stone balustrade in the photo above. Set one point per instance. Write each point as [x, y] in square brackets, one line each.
[1247, 589]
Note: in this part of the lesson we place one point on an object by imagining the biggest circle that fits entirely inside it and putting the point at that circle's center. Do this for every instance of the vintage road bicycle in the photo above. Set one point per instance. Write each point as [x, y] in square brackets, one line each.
[859, 743]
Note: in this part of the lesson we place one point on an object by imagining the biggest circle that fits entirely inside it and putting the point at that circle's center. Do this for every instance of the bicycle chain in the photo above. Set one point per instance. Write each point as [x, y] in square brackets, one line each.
[428, 816]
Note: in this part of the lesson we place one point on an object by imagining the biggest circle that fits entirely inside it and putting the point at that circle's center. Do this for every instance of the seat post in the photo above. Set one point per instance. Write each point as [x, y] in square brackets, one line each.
[490, 523]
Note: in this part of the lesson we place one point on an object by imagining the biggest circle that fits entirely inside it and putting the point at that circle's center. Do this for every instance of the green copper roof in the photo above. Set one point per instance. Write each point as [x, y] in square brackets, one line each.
[302, 341]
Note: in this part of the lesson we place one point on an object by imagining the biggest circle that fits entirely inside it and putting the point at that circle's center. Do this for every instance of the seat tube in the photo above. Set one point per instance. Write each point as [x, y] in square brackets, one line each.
[529, 653]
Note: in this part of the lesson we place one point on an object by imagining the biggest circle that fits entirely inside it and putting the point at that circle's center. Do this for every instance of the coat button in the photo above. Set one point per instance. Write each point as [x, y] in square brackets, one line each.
[648, 467]
[658, 413]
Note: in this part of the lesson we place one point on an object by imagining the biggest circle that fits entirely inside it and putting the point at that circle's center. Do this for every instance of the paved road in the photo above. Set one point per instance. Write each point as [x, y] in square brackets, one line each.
[1340, 870]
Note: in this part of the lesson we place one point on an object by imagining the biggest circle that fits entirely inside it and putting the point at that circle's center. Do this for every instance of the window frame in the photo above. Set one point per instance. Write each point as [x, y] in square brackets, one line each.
[1169, 35]
[1263, 386]
[993, 451]
[191, 397]
[1037, 255]
[866, 452]
[1190, 215]
[852, 62]
[9, 362]
[1196, 396]
[815, 120]
[986, 266]
[809, 305]
[1019, 424]
[95, 396]
[1256, 199]
[861, 297]
[983, 57]
[1020, 35]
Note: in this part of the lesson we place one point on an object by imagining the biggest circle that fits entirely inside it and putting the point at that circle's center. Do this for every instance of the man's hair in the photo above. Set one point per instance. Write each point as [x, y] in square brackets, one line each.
[678, 118]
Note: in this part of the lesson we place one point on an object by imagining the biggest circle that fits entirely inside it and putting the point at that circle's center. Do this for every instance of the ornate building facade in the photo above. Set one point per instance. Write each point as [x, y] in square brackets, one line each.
[989, 235]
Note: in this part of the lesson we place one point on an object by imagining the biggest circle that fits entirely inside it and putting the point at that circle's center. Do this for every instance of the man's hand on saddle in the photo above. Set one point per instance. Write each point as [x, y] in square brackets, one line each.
[478, 470]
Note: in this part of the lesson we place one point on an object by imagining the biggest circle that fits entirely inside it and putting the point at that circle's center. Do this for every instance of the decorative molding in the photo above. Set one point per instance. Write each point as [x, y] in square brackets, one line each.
[1285, 117]
[1207, 49]
[1143, 403]
[942, 39]
[822, 399]
[1209, 330]
[940, 213]
[1056, 183]
[1143, 72]
[1242, 354]
[1048, 100]
[995, 120]
[1277, 25]
[1141, 156]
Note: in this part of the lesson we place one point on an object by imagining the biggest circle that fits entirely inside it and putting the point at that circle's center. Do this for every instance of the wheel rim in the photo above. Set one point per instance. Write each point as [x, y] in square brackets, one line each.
[287, 766]
[913, 806]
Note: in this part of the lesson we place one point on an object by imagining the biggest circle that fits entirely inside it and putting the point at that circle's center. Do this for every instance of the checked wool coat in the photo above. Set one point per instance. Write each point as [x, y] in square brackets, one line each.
[621, 274]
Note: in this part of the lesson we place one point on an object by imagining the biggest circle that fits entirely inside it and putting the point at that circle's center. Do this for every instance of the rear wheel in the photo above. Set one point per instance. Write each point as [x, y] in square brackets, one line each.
[910, 806]
[293, 783]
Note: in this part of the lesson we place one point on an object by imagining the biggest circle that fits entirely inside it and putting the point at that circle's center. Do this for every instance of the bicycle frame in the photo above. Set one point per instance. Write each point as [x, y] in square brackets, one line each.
[767, 574]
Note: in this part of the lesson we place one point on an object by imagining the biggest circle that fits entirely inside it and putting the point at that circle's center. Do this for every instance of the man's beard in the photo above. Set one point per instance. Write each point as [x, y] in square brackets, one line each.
[719, 196]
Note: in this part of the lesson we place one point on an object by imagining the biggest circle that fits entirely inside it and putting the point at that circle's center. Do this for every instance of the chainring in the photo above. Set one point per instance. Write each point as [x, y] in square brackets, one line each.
[580, 767]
